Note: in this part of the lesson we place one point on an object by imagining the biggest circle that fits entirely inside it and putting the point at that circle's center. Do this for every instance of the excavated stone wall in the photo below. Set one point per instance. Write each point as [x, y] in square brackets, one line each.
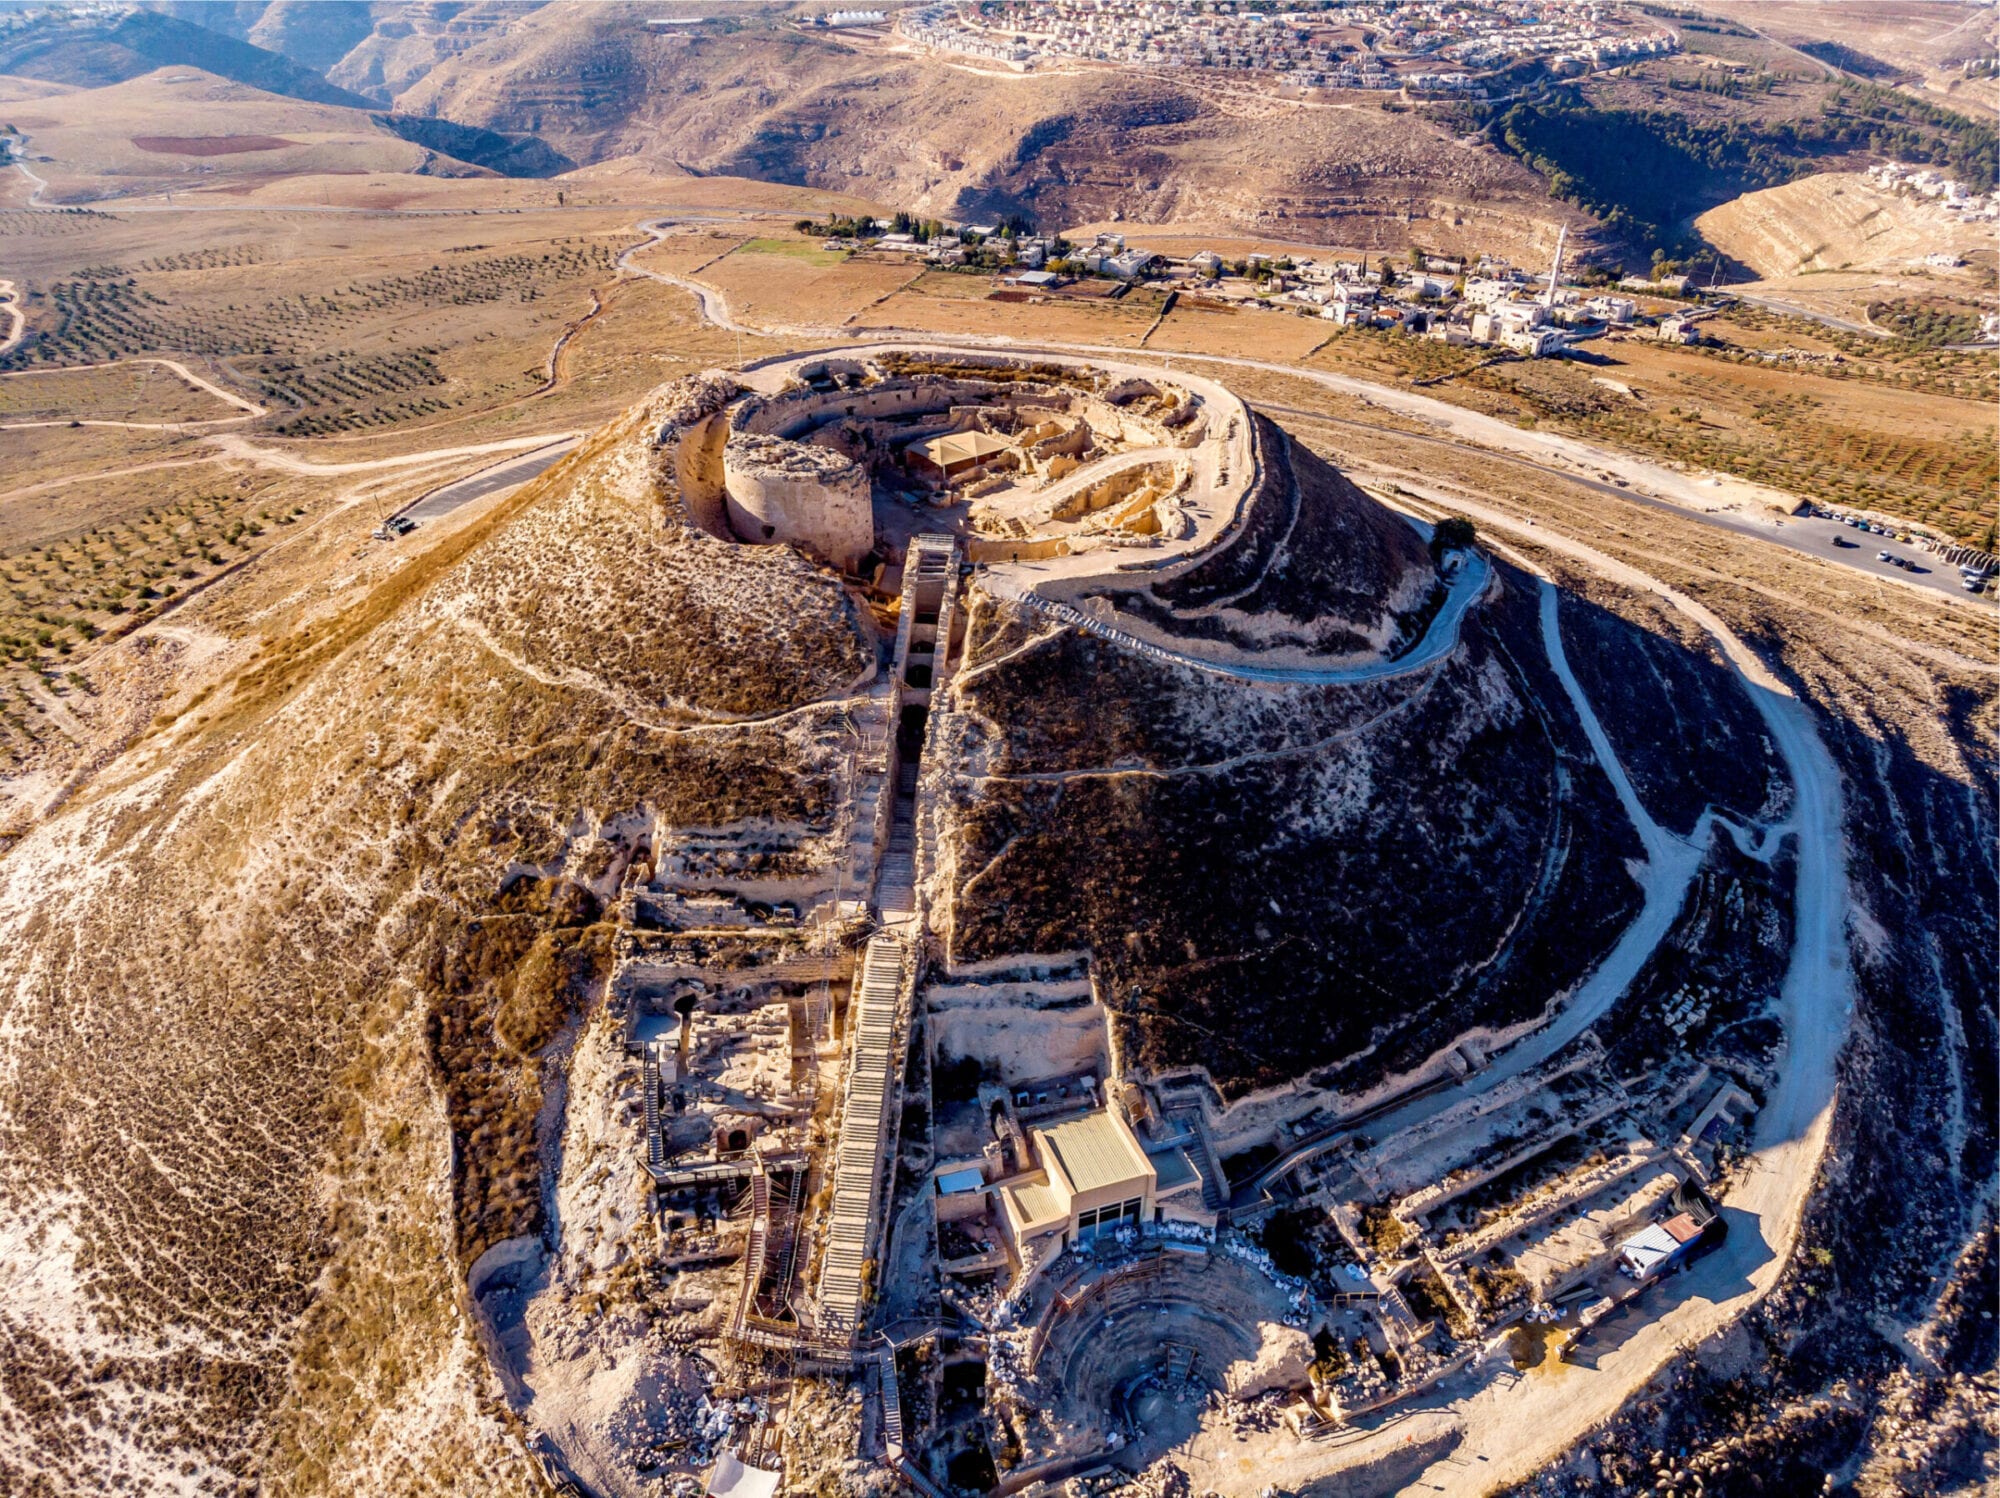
[698, 469]
[775, 490]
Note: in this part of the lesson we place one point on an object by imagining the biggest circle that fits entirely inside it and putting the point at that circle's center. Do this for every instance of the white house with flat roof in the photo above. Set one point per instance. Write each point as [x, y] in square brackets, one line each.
[1094, 1179]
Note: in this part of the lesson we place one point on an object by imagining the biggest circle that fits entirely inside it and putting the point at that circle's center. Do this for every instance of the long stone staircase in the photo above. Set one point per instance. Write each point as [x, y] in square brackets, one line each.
[649, 1084]
[859, 1156]
[896, 886]
[892, 1401]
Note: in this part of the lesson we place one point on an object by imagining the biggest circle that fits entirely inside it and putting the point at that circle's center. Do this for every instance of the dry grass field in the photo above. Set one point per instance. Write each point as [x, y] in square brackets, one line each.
[134, 392]
[951, 303]
[1902, 448]
[1195, 325]
[1926, 42]
[689, 249]
[780, 281]
[110, 142]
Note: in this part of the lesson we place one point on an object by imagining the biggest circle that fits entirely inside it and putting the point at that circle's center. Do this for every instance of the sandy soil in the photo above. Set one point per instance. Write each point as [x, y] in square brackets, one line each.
[95, 135]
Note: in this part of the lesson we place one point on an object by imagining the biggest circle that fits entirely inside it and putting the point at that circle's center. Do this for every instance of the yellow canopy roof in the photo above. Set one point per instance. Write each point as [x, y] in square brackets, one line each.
[960, 447]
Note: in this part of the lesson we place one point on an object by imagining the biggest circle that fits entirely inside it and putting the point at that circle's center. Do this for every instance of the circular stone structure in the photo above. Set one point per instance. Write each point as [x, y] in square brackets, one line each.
[800, 492]
[1153, 503]
[1140, 1351]
[1023, 456]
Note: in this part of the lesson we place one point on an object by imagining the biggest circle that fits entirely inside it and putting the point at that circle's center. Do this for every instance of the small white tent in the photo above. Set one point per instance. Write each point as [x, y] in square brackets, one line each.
[731, 1479]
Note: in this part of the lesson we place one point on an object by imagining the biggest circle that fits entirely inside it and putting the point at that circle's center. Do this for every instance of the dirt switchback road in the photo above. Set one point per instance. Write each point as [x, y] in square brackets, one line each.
[1521, 1424]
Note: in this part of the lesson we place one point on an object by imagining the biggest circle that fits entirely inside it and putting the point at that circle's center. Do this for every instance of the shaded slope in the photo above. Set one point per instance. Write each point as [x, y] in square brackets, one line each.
[1312, 567]
[1276, 883]
[91, 52]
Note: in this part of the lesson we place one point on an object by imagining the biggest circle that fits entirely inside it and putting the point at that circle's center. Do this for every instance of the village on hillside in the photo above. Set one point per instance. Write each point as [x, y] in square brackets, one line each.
[1422, 48]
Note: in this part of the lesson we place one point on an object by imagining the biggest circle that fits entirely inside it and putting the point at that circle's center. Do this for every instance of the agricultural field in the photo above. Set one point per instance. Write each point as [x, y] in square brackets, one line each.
[949, 302]
[1375, 354]
[684, 251]
[390, 353]
[133, 391]
[1198, 325]
[428, 333]
[794, 281]
[1888, 428]
[60, 598]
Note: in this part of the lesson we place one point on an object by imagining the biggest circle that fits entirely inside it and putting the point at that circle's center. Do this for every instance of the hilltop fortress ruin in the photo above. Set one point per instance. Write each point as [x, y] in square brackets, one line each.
[848, 456]
[1189, 806]
[1091, 469]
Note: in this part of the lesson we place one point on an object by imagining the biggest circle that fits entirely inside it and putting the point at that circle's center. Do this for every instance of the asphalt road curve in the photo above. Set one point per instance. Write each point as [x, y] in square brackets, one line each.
[448, 497]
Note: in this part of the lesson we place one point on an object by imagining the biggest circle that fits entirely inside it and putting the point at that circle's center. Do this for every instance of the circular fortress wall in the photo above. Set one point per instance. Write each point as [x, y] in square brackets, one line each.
[798, 492]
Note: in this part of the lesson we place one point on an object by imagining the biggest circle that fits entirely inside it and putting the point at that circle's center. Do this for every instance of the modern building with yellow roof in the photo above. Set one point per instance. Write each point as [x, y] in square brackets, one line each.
[1094, 1178]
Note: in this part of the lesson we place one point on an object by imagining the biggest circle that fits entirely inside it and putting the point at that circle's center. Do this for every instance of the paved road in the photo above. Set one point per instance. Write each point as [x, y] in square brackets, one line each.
[1488, 436]
[1812, 537]
[1858, 549]
[448, 497]
[1793, 309]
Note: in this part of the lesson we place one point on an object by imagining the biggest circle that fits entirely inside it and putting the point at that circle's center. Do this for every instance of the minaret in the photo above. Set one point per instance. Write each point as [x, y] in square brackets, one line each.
[1556, 270]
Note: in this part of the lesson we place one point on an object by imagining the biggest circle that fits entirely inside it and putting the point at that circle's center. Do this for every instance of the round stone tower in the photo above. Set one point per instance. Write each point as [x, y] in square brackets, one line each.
[798, 492]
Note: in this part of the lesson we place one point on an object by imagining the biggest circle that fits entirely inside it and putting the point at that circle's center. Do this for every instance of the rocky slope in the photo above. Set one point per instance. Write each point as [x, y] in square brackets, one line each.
[1277, 881]
[275, 988]
[1834, 220]
[1871, 1369]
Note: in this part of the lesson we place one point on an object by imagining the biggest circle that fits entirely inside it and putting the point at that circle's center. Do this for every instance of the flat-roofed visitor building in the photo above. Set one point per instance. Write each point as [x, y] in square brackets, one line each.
[1094, 1179]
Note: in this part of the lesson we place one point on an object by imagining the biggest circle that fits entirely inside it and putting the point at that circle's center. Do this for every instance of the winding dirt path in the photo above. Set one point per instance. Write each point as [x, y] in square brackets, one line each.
[242, 448]
[10, 305]
[1523, 1423]
[247, 410]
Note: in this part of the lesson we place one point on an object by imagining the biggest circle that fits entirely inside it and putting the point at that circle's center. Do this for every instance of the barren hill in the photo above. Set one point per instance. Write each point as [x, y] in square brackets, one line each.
[101, 142]
[768, 100]
[376, 48]
[1280, 881]
[1835, 221]
[268, 982]
[92, 50]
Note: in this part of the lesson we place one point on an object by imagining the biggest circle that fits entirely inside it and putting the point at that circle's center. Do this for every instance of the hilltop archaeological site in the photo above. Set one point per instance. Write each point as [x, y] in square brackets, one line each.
[1083, 750]
[916, 915]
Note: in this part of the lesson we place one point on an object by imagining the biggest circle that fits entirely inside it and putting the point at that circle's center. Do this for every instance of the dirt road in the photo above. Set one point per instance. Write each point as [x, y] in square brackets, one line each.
[248, 410]
[1521, 1423]
[17, 323]
[242, 448]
